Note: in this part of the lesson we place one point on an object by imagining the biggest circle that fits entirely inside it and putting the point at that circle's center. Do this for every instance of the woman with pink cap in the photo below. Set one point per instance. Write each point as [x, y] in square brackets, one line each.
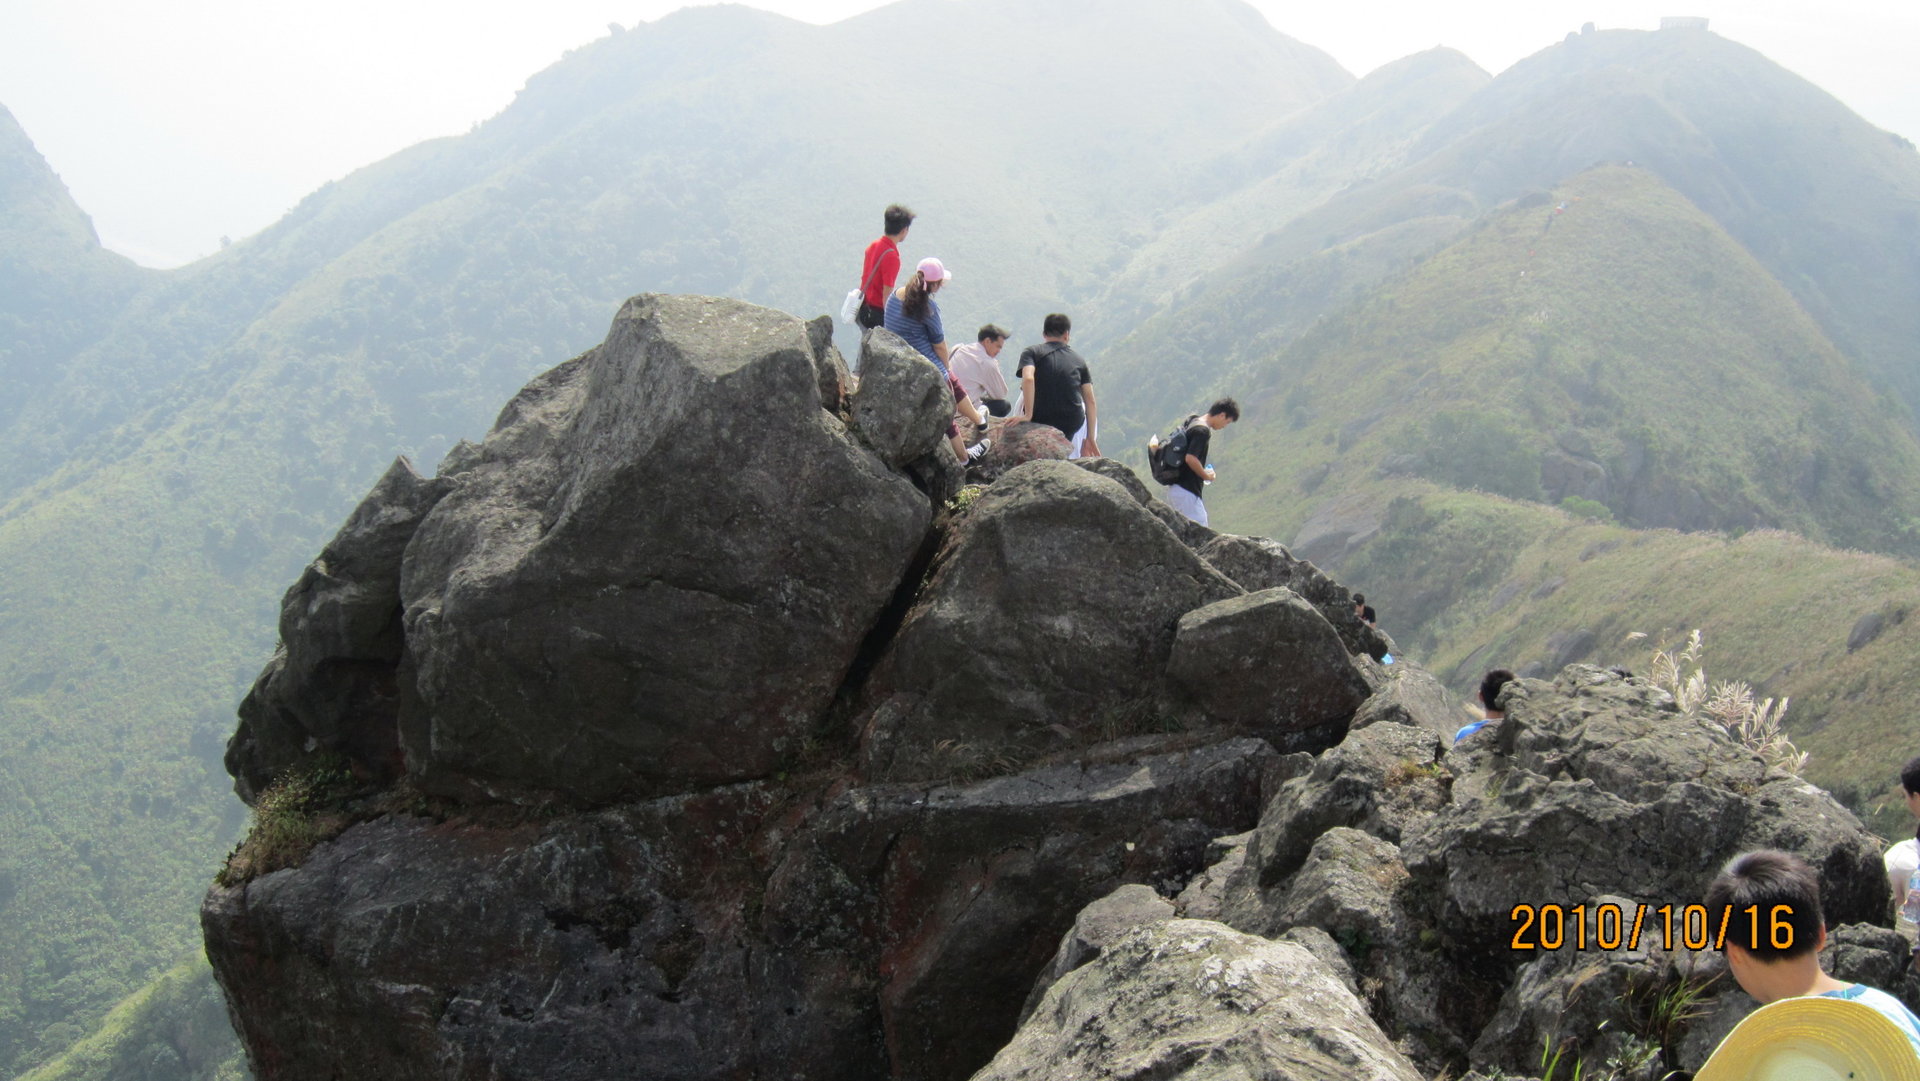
[912, 314]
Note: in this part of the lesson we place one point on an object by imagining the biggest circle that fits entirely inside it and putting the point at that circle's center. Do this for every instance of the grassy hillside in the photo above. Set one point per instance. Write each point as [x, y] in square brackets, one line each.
[1827, 203]
[1604, 343]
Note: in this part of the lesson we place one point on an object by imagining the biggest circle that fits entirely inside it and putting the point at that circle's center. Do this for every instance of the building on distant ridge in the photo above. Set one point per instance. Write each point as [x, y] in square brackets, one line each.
[1683, 22]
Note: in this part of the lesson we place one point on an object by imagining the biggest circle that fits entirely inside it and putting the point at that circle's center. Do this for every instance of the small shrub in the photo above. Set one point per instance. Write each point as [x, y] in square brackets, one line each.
[289, 818]
[1590, 509]
[964, 497]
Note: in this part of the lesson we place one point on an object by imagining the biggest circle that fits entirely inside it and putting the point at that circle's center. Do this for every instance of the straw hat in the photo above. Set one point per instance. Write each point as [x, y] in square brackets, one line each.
[1813, 1039]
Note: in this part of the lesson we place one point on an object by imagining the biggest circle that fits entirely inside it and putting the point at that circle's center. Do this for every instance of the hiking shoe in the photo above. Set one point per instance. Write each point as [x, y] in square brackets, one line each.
[974, 452]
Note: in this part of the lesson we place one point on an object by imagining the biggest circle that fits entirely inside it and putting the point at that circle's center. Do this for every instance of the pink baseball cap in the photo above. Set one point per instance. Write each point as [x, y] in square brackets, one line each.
[933, 270]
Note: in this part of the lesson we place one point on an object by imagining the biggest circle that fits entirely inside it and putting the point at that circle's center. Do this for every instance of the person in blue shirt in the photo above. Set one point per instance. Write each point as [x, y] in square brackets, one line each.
[1776, 930]
[1490, 687]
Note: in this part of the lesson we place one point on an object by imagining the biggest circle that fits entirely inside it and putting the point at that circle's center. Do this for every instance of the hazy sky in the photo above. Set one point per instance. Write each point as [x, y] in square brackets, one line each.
[176, 123]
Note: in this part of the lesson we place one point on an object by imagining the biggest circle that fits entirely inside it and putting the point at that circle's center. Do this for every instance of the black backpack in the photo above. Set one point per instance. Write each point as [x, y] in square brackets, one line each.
[1169, 463]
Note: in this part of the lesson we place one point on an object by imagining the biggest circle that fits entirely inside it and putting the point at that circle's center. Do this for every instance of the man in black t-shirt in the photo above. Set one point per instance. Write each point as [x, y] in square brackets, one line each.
[1056, 388]
[1184, 494]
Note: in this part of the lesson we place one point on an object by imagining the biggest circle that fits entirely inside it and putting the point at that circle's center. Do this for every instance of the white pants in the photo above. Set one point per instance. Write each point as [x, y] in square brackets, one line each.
[1186, 503]
[1079, 437]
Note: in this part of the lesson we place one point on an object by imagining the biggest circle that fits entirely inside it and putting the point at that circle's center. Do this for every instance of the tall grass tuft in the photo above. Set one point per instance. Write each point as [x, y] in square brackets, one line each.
[1729, 704]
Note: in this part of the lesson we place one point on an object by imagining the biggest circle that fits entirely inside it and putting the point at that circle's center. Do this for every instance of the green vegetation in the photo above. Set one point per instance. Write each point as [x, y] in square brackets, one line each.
[1569, 353]
[296, 812]
[176, 1026]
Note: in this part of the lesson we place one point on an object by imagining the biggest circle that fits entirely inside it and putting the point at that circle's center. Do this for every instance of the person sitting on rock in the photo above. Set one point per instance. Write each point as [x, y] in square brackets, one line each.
[974, 365]
[1364, 610]
[1056, 388]
[912, 313]
[1775, 931]
[1490, 687]
[965, 412]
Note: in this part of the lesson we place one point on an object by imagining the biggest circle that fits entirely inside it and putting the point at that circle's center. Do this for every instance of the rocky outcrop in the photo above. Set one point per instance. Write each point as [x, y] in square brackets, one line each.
[583, 619]
[691, 733]
[1593, 790]
[902, 405]
[1224, 656]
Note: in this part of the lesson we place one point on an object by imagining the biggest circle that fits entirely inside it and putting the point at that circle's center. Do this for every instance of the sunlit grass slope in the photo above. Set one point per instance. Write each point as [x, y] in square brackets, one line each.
[1604, 342]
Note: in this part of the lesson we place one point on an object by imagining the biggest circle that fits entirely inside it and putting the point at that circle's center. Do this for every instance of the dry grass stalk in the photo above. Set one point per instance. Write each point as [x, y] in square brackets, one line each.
[1729, 704]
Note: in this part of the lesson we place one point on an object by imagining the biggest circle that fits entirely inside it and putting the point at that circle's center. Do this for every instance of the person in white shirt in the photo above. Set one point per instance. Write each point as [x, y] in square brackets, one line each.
[1902, 858]
[974, 365]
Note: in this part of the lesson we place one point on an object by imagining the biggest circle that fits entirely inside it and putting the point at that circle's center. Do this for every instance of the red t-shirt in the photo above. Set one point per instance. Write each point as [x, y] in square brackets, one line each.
[880, 283]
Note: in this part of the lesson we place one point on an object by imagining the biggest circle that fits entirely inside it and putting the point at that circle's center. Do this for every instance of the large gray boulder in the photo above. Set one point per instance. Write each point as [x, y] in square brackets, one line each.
[1098, 926]
[1259, 563]
[1045, 625]
[1346, 888]
[1269, 664]
[332, 688]
[1405, 693]
[1192, 999]
[655, 573]
[902, 406]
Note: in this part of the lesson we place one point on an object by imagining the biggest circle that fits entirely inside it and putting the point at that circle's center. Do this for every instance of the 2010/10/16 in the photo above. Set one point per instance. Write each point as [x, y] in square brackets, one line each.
[1689, 926]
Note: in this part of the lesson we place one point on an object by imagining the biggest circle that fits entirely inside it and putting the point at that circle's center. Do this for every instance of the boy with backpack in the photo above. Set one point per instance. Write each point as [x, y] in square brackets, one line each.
[1181, 461]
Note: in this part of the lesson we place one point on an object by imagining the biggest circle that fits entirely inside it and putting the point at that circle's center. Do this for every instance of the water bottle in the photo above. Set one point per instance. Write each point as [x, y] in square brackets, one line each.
[1909, 922]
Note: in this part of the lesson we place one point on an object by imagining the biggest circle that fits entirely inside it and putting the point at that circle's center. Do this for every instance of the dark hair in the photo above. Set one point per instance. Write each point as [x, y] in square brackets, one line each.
[1055, 325]
[1910, 774]
[1225, 405]
[1780, 889]
[914, 302]
[1492, 684]
[998, 334]
[1359, 599]
[898, 218]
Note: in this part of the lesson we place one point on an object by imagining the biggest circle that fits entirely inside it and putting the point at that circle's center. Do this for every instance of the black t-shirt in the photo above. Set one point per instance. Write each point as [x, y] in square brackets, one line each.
[1058, 375]
[1199, 434]
[1366, 614]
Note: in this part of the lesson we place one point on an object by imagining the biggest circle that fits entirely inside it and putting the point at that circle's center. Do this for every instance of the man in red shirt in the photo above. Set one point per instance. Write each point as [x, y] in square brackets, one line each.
[881, 266]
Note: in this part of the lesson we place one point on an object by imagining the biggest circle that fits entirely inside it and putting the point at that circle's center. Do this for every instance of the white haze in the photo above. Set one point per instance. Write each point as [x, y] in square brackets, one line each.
[176, 124]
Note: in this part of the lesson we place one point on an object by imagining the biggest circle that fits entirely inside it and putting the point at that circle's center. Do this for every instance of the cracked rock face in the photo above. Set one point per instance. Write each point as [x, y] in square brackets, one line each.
[755, 930]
